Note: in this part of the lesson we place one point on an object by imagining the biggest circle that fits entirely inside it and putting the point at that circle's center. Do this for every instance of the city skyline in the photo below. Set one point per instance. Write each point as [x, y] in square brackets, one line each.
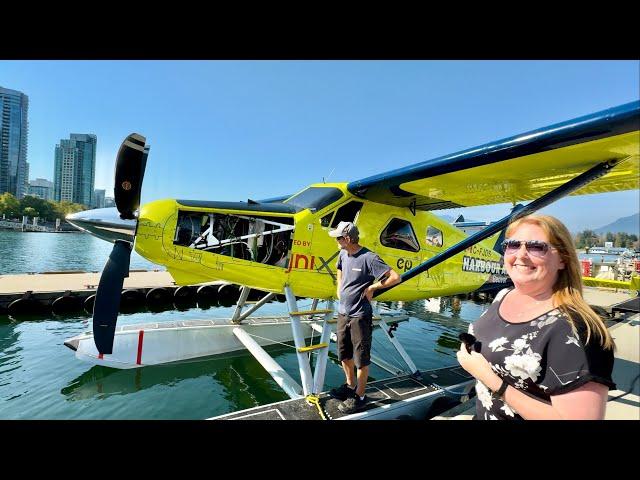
[232, 130]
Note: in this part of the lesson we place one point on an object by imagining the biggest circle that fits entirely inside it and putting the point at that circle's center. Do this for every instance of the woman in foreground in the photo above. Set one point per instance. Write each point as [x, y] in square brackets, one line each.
[541, 352]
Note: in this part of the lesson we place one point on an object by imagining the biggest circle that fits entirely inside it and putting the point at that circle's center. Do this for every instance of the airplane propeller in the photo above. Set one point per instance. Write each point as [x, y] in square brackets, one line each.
[129, 172]
[130, 165]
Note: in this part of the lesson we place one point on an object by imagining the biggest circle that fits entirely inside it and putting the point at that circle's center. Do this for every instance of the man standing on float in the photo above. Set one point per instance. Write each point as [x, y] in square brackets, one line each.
[360, 273]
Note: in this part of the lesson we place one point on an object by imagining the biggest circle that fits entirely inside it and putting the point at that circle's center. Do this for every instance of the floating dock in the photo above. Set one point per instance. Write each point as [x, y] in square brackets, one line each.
[74, 291]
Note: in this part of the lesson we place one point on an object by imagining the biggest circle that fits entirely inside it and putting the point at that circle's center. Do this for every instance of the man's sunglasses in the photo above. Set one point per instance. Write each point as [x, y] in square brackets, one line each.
[340, 238]
[537, 248]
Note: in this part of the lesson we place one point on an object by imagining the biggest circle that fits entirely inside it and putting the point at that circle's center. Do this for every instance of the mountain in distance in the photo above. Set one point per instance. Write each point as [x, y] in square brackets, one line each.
[630, 224]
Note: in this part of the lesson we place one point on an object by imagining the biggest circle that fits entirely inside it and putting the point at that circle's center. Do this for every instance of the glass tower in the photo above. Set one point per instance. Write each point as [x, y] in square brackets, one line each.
[14, 169]
[75, 169]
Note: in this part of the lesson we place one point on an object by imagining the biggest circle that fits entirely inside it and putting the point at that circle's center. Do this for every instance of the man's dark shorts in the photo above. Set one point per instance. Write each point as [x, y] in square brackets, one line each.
[354, 339]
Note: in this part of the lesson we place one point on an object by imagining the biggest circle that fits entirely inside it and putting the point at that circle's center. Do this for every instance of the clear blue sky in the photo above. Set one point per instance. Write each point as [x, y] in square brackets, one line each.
[232, 130]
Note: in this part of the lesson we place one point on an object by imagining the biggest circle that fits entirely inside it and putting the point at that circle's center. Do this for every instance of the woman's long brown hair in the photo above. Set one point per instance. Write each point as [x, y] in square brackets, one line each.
[567, 290]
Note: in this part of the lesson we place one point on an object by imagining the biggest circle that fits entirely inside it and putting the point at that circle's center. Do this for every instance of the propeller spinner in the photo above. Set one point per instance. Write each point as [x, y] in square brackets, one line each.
[129, 172]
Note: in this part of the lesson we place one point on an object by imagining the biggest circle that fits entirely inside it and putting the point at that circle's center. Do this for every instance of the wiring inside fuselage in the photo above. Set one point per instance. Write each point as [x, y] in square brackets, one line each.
[259, 239]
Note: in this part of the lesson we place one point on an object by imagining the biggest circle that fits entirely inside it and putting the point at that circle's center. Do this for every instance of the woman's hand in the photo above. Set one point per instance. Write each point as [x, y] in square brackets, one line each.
[479, 367]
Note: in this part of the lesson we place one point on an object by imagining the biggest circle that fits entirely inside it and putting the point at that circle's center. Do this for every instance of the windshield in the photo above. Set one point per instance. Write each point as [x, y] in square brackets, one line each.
[315, 198]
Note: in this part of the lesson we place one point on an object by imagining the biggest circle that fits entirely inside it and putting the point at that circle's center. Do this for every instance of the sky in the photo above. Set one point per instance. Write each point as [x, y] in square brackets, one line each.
[233, 130]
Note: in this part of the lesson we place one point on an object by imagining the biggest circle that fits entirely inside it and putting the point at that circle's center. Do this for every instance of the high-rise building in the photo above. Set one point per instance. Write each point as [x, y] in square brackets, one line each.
[75, 169]
[41, 188]
[14, 169]
[109, 202]
[98, 198]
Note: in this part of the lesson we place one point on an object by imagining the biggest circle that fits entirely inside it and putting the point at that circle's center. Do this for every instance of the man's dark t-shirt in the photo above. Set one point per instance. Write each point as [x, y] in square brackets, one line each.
[358, 272]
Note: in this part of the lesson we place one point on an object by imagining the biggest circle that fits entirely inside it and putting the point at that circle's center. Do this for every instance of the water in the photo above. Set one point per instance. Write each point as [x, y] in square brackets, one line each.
[23, 252]
[40, 378]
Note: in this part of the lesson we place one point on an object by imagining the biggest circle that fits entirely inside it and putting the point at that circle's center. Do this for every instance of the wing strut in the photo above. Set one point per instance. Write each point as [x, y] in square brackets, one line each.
[518, 212]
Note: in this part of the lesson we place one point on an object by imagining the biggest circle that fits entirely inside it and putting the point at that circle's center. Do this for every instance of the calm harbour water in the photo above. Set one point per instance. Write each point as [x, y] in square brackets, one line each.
[40, 378]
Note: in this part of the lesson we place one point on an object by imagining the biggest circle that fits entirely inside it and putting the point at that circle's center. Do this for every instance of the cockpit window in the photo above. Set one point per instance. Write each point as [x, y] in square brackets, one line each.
[315, 198]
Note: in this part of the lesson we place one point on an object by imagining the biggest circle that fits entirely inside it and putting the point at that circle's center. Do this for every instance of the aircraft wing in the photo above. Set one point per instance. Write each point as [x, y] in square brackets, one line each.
[518, 168]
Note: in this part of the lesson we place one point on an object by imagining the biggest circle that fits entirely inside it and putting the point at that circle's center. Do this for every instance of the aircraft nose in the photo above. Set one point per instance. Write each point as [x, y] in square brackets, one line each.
[104, 223]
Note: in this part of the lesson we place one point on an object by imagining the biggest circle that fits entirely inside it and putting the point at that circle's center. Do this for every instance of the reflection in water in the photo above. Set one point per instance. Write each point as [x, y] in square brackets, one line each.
[446, 317]
[230, 370]
[448, 340]
[9, 351]
[433, 305]
[451, 304]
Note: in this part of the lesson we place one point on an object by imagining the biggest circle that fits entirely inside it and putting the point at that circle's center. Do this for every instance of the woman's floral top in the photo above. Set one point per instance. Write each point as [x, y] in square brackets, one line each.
[542, 357]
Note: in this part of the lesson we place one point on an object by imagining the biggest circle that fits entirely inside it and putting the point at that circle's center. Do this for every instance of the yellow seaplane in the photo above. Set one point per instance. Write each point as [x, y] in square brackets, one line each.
[281, 246]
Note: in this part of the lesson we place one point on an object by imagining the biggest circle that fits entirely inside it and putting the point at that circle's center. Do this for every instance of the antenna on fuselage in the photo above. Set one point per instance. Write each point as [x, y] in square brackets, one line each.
[325, 181]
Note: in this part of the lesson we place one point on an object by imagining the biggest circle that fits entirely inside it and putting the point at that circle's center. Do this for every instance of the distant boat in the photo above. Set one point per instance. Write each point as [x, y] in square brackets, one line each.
[625, 252]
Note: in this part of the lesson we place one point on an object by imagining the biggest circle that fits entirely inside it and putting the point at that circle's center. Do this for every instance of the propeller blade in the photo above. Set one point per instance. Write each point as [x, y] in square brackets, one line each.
[105, 309]
[130, 165]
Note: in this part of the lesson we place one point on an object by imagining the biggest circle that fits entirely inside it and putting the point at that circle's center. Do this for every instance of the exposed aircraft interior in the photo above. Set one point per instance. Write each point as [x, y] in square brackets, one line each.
[262, 239]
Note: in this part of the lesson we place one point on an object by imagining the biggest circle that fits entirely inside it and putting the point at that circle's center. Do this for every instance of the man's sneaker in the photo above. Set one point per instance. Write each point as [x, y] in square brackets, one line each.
[352, 404]
[342, 392]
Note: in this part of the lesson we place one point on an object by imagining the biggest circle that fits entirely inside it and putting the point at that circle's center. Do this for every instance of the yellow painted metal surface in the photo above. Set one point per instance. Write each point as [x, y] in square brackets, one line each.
[634, 284]
[531, 176]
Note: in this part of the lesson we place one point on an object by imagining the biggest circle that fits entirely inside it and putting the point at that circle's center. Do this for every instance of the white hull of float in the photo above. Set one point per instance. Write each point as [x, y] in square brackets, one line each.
[159, 343]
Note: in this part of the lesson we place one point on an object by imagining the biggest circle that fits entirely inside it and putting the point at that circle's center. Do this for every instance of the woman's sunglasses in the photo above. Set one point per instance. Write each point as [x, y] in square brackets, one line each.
[537, 248]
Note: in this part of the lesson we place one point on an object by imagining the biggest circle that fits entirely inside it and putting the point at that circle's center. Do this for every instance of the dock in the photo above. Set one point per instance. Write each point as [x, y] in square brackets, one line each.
[400, 398]
[74, 291]
[624, 402]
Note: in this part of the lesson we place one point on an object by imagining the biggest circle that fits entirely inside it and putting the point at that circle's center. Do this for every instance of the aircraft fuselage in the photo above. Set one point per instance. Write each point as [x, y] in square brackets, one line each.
[267, 245]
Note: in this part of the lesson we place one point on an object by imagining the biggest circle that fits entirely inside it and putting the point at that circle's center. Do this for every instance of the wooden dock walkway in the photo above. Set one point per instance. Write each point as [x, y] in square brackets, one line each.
[78, 281]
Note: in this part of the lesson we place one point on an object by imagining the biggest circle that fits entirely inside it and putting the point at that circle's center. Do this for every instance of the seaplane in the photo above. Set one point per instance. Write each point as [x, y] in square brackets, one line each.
[280, 246]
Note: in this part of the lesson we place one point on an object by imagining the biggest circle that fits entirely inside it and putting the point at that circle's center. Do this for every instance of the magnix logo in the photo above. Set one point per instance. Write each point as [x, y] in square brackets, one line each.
[300, 261]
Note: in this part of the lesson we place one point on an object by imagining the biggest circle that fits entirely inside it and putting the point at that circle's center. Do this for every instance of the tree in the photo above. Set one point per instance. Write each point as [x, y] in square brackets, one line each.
[43, 208]
[30, 212]
[9, 205]
[62, 209]
[587, 238]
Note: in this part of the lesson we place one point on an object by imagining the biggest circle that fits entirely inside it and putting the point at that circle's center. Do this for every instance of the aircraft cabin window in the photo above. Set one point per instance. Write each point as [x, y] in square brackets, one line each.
[434, 237]
[315, 198]
[326, 220]
[347, 213]
[399, 234]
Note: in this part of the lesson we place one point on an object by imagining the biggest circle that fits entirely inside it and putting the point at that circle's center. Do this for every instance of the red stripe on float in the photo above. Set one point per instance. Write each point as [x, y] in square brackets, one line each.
[100, 356]
[140, 337]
